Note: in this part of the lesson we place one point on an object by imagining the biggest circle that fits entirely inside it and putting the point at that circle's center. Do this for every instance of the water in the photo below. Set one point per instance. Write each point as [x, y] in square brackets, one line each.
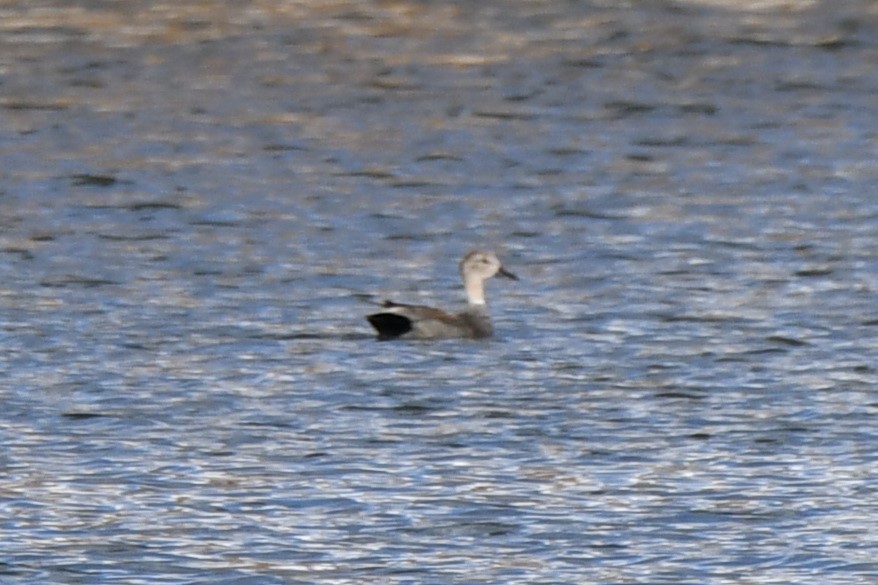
[198, 203]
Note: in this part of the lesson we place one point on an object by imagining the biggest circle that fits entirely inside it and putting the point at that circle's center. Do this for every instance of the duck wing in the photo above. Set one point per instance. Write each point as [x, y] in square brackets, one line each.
[417, 321]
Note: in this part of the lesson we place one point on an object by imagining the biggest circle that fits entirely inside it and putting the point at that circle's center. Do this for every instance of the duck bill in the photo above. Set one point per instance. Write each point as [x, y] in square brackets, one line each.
[506, 273]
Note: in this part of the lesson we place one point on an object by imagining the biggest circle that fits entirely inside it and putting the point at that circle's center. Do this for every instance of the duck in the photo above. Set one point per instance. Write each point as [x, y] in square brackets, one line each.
[402, 321]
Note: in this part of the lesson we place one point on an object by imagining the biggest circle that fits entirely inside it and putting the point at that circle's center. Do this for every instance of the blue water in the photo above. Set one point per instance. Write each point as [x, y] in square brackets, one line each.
[199, 204]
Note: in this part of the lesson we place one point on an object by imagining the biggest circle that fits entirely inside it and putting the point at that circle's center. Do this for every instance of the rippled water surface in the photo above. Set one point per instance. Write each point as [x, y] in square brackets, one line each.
[199, 202]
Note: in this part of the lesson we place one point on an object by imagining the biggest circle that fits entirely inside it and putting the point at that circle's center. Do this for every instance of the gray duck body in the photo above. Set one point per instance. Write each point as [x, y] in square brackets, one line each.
[398, 320]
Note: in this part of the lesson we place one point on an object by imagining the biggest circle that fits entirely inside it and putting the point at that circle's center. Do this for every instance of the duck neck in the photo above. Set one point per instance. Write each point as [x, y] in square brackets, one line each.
[475, 291]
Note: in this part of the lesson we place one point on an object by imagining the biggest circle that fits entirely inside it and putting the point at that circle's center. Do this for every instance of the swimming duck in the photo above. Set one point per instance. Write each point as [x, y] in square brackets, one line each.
[398, 320]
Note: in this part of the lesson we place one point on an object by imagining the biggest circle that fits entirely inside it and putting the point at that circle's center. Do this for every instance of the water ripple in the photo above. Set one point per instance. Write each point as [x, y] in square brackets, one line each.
[199, 205]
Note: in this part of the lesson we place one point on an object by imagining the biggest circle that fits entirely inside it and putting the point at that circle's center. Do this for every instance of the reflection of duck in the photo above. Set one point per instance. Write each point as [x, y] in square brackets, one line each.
[418, 322]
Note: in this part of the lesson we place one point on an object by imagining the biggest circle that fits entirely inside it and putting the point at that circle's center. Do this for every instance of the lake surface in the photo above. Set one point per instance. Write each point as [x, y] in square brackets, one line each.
[199, 204]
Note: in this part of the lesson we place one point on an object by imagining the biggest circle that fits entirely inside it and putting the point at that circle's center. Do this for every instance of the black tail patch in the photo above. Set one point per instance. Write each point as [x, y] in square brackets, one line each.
[389, 325]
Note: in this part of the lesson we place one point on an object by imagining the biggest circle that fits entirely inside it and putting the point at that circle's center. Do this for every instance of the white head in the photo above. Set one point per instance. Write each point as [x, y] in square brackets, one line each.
[476, 267]
[483, 265]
